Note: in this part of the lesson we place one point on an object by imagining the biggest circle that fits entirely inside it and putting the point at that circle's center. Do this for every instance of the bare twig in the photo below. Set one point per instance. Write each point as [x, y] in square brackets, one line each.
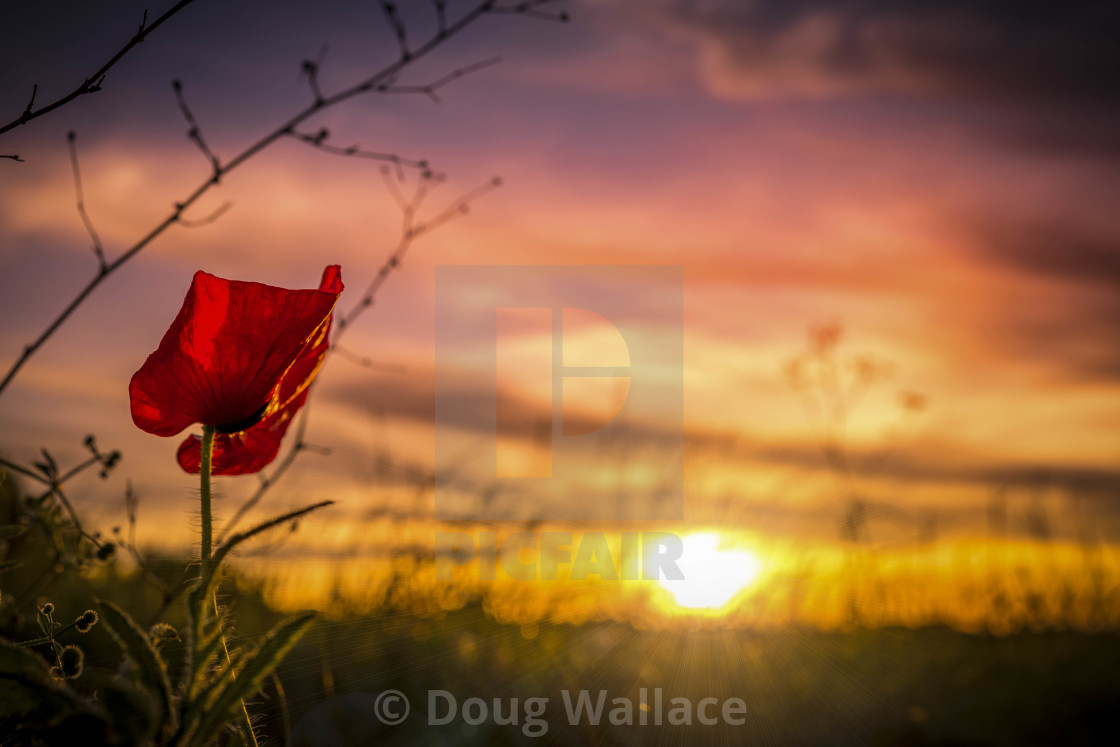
[410, 231]
[23, 471]
[311, 70]
[383, 77]
[365, 362]
[93, 82]
[441, 16]
[398, 28]
[49, 474]
[207, 220]
[318, 140]
[11, 156]
[298, 445]
[97, 250]
[131, 507]
[226, 547]
[529, 9]
[430, 89]
[195, 132]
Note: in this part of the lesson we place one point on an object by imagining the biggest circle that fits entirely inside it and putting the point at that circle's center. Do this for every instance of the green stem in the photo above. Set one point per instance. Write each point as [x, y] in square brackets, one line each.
[204, 474]
[204, 470]
[49, 638]
[246, 722]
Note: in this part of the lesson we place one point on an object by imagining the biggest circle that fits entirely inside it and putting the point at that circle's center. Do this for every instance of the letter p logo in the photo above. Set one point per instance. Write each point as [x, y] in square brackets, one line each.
[558, 392]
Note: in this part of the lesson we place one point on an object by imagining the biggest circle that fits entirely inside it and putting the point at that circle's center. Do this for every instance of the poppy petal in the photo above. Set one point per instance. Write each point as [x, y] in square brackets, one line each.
[253, 449]
[246, 452]
[223, 356]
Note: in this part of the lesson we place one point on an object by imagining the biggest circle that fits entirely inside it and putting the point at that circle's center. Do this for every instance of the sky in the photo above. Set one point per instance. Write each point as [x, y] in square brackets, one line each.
[936, 181]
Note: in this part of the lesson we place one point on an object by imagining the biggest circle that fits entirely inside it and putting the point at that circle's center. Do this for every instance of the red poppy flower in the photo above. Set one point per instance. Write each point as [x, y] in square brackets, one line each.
[239, 356]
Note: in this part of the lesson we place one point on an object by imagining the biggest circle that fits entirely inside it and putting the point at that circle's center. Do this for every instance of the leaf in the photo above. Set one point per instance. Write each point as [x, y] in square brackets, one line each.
[28, 690]
[209, 580]
[8, 531]
[134, 711]
[148, 667]
[203, 640]
[239, 681]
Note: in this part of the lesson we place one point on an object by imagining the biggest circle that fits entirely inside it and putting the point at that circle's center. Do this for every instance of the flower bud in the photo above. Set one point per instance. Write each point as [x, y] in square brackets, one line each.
[88, 619]
[70, 662]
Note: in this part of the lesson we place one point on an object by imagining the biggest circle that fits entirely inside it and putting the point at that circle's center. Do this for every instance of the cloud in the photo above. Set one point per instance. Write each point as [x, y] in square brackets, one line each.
[1056, 249]
[409, 399]
[1062, 305]
[956, 49]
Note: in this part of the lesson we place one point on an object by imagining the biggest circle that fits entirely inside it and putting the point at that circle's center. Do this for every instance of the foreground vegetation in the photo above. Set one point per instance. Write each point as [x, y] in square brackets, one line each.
[892, 686]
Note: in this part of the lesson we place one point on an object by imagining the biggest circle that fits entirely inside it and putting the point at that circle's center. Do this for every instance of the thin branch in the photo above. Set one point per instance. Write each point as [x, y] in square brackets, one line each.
[409, 233]
[386, 74]
[53, 477]
[98, 252]
[227, 547]
[93, 82]
[132, 505]
[311, 70]
[23, 471]
[298, 445]
[207, 220]
[529, 9]
[57, 490]
[459, 208]
[12, 156]
[195, 132]
[368, 362]
[31, 103]
[395, 191]
[398, 28]
[318, 140]
[81, 467]
[430, 89]
[441, 16]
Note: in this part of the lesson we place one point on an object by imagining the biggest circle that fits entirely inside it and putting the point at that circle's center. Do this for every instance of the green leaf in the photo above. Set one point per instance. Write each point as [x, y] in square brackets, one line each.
[210, 580]
[28, 690]
[134, 711]
[148, 667]
[8, 531]
[245, 676]
[204, 635]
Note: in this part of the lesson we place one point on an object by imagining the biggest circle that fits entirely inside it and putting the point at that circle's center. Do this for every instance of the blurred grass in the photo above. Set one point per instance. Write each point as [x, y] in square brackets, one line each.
[862, 685]
[888, 686]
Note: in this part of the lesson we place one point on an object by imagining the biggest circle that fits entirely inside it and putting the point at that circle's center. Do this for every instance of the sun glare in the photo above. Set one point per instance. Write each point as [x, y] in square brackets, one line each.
[712, 576]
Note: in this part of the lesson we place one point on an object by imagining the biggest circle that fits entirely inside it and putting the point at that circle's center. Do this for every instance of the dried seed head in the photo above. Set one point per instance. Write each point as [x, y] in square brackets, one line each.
[47, 609]
[161, 633]
[88, 619]
[70, 662]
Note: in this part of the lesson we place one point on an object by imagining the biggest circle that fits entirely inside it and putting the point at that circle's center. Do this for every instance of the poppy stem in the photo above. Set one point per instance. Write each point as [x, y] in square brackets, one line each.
[204, 470]
[204, 490]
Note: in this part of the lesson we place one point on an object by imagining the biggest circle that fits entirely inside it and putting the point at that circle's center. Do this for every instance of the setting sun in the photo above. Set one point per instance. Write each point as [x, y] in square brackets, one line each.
[712, 576]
